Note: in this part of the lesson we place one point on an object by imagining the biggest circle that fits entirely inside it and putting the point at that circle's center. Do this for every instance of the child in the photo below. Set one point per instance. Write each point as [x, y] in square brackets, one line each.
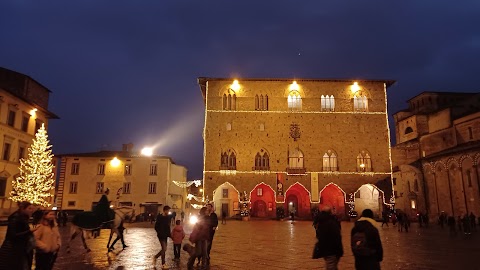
[47, 239]
[177, 236]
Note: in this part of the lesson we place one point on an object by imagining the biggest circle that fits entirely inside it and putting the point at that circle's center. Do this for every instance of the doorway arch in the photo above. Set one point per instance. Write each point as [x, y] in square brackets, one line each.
[334, 197]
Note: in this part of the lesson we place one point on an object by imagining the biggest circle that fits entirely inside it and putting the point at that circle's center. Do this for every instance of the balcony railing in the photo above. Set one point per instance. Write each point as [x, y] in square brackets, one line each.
[261, 168]
[296, 170]
[330, 169]
[224, 168]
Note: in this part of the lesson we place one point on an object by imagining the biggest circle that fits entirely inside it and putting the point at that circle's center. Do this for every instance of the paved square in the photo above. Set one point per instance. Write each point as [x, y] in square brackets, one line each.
[276, 245]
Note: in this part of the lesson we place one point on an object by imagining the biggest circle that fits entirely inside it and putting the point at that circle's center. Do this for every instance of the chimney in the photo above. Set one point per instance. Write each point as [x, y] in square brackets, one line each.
[127, 147]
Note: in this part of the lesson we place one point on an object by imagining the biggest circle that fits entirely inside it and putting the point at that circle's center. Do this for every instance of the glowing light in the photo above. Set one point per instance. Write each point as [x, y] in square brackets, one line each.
[54, 208]
[147, 151]
[235, 86]
[193, 220]
[201, 190]
[115, 162]
[294, 86]
[290, 203]
[33, 112]
[111, 205]
[355, 87]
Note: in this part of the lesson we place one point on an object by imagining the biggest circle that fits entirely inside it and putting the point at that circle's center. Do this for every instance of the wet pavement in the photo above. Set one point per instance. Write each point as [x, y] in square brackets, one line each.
[274, 245]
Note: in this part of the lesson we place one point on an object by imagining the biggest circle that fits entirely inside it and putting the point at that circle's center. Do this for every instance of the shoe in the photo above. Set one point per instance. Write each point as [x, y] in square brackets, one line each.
[165, 266]
[125, 246]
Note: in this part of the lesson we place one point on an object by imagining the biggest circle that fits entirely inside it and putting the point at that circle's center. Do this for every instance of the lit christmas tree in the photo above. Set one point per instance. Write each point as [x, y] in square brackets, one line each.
[36, 179]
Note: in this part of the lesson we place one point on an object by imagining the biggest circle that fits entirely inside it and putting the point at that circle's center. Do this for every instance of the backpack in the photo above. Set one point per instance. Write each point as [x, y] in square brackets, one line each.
[360, 245]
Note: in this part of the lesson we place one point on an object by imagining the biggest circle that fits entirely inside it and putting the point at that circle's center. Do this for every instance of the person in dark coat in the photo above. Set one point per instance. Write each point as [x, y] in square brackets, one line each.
[212, 220]
[103, 210]
[199, 236]
[372, 254]
[329, 245]
[162, 227]
[16, 252]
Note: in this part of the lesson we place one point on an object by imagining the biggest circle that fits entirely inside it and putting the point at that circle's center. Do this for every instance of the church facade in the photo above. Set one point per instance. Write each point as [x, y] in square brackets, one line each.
[296, 144]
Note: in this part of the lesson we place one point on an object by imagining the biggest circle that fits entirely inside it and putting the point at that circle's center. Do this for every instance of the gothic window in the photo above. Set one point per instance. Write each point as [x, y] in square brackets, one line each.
[257, 103]
[228, 160]
[328, 103]
[295, 159]
[364, 163]
[229, 102]
[265, 103]
[232, 161]
[261, 103]
[408, 130]
[360, 103]
[330, 161]
[294, 101]
[258, 160]
[262, 161]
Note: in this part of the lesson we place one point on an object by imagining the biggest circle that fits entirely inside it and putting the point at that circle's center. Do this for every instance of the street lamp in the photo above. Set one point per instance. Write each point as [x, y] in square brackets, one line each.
[147, 151]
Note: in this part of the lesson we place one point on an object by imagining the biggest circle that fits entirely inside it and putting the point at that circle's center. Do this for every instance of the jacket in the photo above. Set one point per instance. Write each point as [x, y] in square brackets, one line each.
[201, 230]
[177, 234]
[367, 226]
[328, 235]
[162, 226]
[47, 239]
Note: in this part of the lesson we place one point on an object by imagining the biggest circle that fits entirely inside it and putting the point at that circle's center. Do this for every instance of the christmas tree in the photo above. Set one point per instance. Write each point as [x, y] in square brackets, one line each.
[36, 180]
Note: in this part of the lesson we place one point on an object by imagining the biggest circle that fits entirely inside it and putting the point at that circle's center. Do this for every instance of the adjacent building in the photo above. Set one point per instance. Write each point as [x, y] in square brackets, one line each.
[142, 182]
[437, 153]
[23, 109]
[296, 144]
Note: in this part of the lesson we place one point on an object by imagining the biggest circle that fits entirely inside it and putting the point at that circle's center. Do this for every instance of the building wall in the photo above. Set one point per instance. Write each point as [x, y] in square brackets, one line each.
[115, 178]
[344, 131]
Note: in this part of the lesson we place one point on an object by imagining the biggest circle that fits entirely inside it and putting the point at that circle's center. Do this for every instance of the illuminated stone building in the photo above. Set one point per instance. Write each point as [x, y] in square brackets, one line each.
[23, 109]
[144, 182]
[436, 155]
[296, 144]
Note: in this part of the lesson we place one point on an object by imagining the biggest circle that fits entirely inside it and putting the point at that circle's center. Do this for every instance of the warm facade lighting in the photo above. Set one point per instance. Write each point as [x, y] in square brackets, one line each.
[33, 112]
[147, 151]
[235, 86]
[294, 86]
[115, 162]
[355, 87]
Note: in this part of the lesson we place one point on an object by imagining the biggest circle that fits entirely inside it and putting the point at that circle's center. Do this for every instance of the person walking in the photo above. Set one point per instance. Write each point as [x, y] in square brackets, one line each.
[329, 245]
[182, 216]
[199, 236]
[17, 248]
[365, 243]
[120, 230]
[385, 218]
[473, 221]
[224, 217]
[212, 221]
[47, 241]
[177, 236]
[162, 227]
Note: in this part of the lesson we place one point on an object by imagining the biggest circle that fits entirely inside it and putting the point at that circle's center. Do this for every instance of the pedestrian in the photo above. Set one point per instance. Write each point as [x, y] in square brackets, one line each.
[120, 237]
[47, 241]
[400, 222]
[224, 217]
[329, 245]
[64, 218]
[199, 237]
[17, 248]
[406, 222]
[292, 215]
[473, 224]
[420, 219]
[385, 218]
[174, 218]
[365, 243]
[162, 227]
[212, 221]
[177, 237]
[426, 219]
[459, 224]
[182, 216]
[394, 219]
[466, 224]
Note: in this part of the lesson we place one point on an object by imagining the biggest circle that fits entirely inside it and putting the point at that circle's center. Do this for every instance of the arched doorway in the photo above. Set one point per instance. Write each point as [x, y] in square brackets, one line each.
[262, 199]
[298, 199]
[369, 197]
[331, 195]
[226, 199]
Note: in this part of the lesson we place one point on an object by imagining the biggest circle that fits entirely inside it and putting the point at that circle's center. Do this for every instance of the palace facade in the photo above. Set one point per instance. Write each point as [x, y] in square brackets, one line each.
[437, 153]
[23, 110]
[142, 182]
[296, 144]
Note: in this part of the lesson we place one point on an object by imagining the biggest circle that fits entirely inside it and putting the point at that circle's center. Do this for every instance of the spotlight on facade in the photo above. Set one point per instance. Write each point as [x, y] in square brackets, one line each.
[115, 162]
[355, 87]
[294, 86]
[147, 151]
[33, 112]
[235, 86]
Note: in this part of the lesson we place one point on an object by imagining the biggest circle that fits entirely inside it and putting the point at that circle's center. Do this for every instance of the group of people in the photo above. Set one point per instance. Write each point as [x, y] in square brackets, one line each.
[201, 236]
[466, 223]
[365, 241]
[21, 240]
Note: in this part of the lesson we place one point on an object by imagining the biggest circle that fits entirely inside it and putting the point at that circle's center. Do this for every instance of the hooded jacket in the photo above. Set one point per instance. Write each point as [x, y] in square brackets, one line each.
[177, 234]
[328, 235]
[368, 226]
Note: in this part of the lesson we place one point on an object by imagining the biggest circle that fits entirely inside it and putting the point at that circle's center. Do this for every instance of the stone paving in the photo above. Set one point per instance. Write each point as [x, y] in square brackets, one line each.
[275, 245]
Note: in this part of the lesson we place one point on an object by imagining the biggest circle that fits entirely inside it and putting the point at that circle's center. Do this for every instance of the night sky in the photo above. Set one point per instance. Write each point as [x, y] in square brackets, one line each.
[125, 71]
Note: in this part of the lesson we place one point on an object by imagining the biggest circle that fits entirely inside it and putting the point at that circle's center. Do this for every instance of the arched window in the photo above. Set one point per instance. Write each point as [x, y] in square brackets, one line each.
[262, 161]
[228, 161]
[258, 161]
[257, 107]
[360, 103]
[408, 130]
[294, 101]
[233, 102]
[295, 159]
[330, 161]
[266, 161]
[229, 102]
[224, 102]
[364, 163]
[265, 105]
[328, 103]
[261, 103]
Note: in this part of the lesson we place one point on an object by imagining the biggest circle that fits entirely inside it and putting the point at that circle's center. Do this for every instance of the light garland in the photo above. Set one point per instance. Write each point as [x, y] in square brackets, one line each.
[36, 180]
[197, 206]
[188, 183]
[191, 196]
[234, 172]
[294, 112]
[389, 145]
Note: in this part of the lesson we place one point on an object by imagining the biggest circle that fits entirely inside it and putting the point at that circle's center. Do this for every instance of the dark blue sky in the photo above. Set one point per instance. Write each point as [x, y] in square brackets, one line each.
[125, 71]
